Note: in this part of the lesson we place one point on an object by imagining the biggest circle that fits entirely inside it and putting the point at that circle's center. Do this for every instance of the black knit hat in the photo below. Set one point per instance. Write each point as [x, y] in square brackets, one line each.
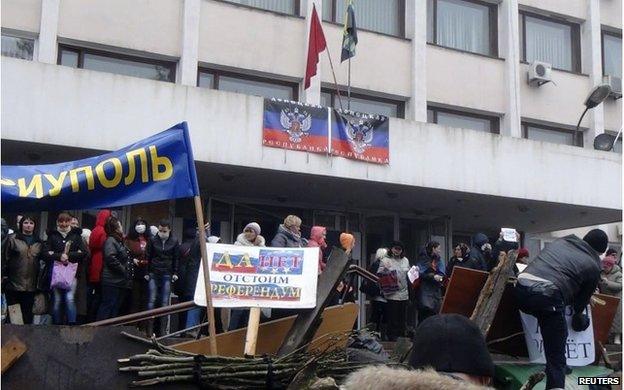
[396, 244]
[451, 343]
[598, 240]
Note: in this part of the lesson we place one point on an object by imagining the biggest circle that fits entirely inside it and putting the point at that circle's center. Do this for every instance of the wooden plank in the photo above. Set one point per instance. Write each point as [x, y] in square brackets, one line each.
[15, 314]
[11, 351]
[463, 291]
[306, 324]
[491, 294]
[602, 317]
[251, 337]
[335, 319]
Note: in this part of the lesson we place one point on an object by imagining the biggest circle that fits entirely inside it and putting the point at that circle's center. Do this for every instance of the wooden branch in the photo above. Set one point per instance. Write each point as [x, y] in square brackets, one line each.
[534, 379]
[492, 293]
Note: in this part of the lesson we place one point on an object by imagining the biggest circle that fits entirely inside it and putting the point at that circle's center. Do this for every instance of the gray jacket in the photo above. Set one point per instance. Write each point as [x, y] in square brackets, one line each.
[286, 239]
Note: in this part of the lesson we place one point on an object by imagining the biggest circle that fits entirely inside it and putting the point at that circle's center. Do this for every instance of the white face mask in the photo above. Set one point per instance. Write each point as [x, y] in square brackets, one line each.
[140, 229]
[163, 236]
[65, 230]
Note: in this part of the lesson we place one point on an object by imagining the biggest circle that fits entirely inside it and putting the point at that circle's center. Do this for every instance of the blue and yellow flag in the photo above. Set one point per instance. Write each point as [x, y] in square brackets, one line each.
[349, 34]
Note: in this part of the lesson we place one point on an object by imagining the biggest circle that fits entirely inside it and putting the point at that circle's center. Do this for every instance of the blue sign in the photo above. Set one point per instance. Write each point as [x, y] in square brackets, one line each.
[157, 168]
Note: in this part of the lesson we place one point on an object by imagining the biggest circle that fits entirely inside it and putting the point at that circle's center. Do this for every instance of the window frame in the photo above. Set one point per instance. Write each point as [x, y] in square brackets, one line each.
[332, 99]
[575, 39]
[604, 32]
[81, 51]
[494, 120]
[493, 35]
[217, 73]
[400, 16]
[297, 10]
[578, 135]
[22, 35]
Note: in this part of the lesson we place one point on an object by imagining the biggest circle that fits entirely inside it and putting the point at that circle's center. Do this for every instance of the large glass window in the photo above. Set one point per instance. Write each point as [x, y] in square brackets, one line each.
[282, 6]
[557, 43]
[116, 63]
[462, 120]
[612, 54]
[466, 25]
[365, 104]
[250, 85]
[17, 47]
[552, 134]
[384, 16]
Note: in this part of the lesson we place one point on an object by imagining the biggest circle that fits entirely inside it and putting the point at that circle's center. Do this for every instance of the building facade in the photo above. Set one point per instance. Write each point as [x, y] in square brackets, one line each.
[473, 145]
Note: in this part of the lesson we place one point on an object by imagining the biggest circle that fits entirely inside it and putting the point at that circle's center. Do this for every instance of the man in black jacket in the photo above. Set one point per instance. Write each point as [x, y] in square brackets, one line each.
[565, 273]
[163, 251]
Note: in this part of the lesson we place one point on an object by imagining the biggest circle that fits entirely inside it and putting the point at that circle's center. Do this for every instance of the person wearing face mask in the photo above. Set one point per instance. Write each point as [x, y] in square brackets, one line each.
[396, 265]
[22, 252]
[289, 234]
[118, 271]
[249, 237]
[480, 253]
[429, 294]
[55, 254]
[163, 252]
[94, 272]
[136, 242]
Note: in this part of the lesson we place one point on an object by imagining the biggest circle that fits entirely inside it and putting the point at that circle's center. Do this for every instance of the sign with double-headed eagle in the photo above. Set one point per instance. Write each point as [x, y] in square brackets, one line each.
[296, 126]
[360, 136]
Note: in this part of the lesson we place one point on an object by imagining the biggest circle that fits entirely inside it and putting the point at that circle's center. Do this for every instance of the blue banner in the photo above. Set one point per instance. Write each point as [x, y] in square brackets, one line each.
[157, 168]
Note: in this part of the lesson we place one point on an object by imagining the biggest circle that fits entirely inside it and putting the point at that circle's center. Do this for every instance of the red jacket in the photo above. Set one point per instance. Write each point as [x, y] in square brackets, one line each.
[96, 246]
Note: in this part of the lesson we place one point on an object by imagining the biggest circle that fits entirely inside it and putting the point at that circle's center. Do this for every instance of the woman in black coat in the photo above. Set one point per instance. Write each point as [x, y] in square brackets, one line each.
[429, 294]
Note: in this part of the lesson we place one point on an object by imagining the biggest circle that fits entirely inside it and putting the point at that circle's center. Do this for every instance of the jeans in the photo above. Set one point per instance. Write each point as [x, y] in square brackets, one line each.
[159, 287]
[545, 302]
[238, 319]
[193, 317]
[94, 298]
[112, 299]
[26, 300]
[66, 297]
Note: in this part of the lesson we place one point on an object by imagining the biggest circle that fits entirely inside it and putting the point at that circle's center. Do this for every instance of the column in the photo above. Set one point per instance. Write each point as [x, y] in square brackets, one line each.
[416, 30]
[187, 68]
[592, 65]
[48, 28]
[510, 50]
[312, 95]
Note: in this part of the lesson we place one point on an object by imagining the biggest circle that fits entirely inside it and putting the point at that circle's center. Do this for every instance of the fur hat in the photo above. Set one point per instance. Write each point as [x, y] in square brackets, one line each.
[381, 253]
[346, 240]
[387, 378]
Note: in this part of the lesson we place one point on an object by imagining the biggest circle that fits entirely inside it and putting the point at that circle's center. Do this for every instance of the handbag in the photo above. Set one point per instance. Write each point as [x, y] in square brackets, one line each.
[388, 281]
[63, 275]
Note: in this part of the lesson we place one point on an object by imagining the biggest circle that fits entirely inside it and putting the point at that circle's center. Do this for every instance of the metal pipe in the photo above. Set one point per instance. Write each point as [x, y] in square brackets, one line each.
[144, 315]
[182, 331]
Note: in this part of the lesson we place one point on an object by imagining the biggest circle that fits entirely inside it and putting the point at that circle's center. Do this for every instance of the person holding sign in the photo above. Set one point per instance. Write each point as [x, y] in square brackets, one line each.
[393, 282]
[567, 272]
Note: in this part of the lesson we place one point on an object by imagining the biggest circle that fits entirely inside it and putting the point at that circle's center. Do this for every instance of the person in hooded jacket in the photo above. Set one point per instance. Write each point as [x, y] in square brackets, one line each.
[118, 271]
[94, 272]
[289, 234]
[249, 237]
[318, 234]
[429, 294]
[565, 273]
[397, 264]
[611, 284]
[136, 242]
[480, 253]
[23, 250]
[163, 252]
[54, 254]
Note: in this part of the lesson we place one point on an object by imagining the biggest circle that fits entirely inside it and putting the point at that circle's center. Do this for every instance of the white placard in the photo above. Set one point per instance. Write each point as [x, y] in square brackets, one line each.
[580, 350]
[509, 235]
[413, 273]
[243, 276]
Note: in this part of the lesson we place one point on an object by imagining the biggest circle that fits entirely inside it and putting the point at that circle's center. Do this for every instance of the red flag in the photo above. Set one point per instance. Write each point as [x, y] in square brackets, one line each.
[316, 45]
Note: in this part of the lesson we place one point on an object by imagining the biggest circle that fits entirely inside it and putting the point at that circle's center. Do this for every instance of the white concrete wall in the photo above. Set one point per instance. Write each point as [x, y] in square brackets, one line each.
[464, 80]
[153, 26]
[572, 8]
[226, 129]
[613, 114]
[611, 13]
[613, 231]
[22, 15]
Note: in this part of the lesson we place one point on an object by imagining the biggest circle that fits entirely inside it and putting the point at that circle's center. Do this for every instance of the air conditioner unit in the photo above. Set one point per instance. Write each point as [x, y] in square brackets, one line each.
[539, 73]
[616, 86]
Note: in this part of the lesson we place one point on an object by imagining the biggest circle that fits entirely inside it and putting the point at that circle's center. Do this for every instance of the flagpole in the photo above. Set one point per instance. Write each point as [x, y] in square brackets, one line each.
[349, 87]
[331, 64]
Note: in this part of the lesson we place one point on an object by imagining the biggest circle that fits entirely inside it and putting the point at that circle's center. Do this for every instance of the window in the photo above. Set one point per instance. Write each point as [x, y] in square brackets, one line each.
[365, 104]
[555, 42]
[290, 7]
[463, 120]
[250, 85]
[466, 25]
[17, 47]
[552, 134]
[611, 54]
[117, 63]
[384, 16]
